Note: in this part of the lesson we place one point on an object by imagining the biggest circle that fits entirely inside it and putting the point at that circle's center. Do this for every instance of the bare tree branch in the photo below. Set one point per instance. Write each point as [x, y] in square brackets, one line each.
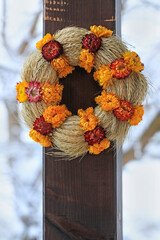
[145, 138]
[4, 24]
[32, 31]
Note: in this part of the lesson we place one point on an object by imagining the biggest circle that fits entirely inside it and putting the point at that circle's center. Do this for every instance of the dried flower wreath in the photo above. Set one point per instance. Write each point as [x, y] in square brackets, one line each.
[117, 70]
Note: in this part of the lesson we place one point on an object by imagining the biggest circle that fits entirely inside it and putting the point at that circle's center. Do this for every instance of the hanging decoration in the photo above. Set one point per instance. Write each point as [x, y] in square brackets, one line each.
[118, 72]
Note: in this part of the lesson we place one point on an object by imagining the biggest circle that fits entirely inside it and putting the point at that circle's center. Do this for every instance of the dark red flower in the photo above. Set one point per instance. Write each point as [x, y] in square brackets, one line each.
[95, 136]
[125, 111]
[91, 42]
[52, 50]
[121, 69]
[41, 126]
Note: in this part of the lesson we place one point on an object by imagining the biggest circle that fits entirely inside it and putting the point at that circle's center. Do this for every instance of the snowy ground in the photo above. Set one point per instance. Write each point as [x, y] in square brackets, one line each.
[141, 179]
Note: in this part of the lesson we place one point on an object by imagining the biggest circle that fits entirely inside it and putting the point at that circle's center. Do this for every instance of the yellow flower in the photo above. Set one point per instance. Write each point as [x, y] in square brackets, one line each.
[21, 94]
[52, 92]
[104, 76]
[88, 121]
[48, 37]
[86, 60]
[133, 61]
[108, 101]
[45, 141]
[62, 66]
[137, 116]
[99, 147]
[100, 31]
[56, 115]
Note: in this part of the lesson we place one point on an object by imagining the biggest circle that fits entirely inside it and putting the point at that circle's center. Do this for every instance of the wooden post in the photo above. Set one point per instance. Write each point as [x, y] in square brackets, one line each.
[82, 199]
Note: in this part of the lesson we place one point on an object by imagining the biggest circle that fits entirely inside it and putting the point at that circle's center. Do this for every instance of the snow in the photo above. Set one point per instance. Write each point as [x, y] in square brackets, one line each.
[141, 209]
[141, 181]
[20, 174]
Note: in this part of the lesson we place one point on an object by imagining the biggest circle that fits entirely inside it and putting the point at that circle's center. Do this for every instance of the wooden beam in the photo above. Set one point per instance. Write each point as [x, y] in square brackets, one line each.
[82, 198]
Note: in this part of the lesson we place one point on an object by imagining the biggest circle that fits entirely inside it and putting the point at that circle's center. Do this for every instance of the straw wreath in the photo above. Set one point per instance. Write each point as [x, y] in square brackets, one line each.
[116, 69]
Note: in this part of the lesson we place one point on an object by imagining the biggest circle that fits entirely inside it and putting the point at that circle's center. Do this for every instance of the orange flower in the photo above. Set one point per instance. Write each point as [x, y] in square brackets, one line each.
[21, 93]
[120, 68]
[99, 147]
[108, 101]
[62, 66]
[56, 115]
[100, 31]
[88, 121]
[86, 60]
[133, 61]
[125, 111]
[104, 76]
[48, 37]
[137, 116]
[52, 93]
[45, 141]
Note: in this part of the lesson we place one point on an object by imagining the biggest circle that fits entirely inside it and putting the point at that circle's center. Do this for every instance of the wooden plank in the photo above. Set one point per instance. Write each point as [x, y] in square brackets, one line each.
[82, 199]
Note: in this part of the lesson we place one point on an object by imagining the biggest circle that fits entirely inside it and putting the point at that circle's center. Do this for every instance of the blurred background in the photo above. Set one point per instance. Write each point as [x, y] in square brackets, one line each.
[21, 191]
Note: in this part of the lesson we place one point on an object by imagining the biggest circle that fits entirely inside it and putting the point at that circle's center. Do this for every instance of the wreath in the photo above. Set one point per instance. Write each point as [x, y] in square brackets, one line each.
[118, 72]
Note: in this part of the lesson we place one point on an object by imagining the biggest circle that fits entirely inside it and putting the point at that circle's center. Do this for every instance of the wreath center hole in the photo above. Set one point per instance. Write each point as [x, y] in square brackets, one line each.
[79, 91]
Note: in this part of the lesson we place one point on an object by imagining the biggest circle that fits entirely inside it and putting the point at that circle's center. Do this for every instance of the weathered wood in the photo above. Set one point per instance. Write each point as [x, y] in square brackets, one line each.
[82, 198]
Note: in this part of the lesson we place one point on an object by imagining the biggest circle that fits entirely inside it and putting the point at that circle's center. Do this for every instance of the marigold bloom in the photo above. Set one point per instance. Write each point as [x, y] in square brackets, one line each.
[104, 76]
[100, 31]
[137, 116]
[95, 136]
[41, 126]
[45, 141]
[133, 61]
[62, 66]
[88, 121]
[47, 38]
[99, 147]
[52, 93]
[21, 93]
[56, 115]
[125, 111]
[108, 101]
[86, 60]
[33, 92]
[120, 68]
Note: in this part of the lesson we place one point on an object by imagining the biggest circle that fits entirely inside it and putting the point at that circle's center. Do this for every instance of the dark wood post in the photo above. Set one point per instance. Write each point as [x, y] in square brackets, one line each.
[82, 199]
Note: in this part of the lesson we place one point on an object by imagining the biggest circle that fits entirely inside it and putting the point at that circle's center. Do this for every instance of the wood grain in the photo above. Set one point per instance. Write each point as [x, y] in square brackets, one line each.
[82, 198]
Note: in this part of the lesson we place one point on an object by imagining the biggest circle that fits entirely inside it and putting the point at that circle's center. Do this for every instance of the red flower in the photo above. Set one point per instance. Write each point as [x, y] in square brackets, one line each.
[91, 42]
[34, 92]
[41, 126]
[125, 111]
[121, 69]
[95, 136]
[52, 50]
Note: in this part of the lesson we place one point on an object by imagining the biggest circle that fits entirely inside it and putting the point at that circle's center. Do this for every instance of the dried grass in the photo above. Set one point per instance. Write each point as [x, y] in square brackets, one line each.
[69, 138]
